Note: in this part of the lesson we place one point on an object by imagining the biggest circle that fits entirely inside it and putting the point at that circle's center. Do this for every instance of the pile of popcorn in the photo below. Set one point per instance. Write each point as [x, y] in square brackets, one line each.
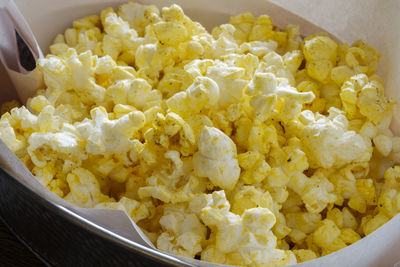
[248, 146]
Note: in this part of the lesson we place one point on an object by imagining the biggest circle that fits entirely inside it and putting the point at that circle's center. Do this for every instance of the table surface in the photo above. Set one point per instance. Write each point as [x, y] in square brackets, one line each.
[13, 252]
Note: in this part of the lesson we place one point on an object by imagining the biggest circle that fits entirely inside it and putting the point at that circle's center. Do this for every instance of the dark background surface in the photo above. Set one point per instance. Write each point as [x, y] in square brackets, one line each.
[13, 252]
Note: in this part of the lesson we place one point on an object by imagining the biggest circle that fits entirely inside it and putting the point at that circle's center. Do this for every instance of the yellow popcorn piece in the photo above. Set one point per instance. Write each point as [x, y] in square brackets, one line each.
[363, 96]
[56, 72]
[359, 58]
[248, 197]
[135, 92]
[371, 56]
[256, 169]
[336, 216]
[134, 209]
[389, 200]
[320, 53]
[183, 233]
[217, 158]
[45, 147]
[305, 222]
[326, 235]
[366, 189]
[383, 144]
[262, 29]
[138, 16]
[230, 82]
[174, 80]
[267, 92]
[165, 127]
[167, 184]
[340, 74]
[87, 22]
[46, 174]
[72, 72]
[349, 221]
[204, 92]
[374, 223]
[197, 123]
[170, 33]
[224, 42]
[152, 58]
[350, 183]
[38, 103]
[317, 194]
[231, 230]
[14, 142]
[293, 37]
[303, 255]
[345, 146]
[109, 136]
[243, 24]
[349, 236]
[115, 26]
[85, 189]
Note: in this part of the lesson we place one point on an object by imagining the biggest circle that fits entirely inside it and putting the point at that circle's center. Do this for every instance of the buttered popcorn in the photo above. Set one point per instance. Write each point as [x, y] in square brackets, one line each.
[245, 146]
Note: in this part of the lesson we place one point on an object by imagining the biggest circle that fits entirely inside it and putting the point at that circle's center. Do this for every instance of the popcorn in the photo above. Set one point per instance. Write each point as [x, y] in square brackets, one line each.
[174, 81]
[135, 92]
[362, 96]
[216, 158]
[316, 192]
[167, 127]
[44, 175]
[134, 209]
[248, 197]
[224, 43]
[303, 255]
[37, 103]
[138, 16]
[245, 146]
[25, 119]
[359, 58]
[243, 24]
[326, 235]
[330, 133]
[251, 231]
[374, 223]
[340, 74]
[256, 169]
[351, 184]
[230, 82]
[170, 33]
[55, 72]
[109, 136]
[204, 92]
[65, 144]
[153, 58]
[389, 200]
[320, 53]
[303, 221]
[9, 137]
[183, 233]
[85, 189]
[267, 93]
